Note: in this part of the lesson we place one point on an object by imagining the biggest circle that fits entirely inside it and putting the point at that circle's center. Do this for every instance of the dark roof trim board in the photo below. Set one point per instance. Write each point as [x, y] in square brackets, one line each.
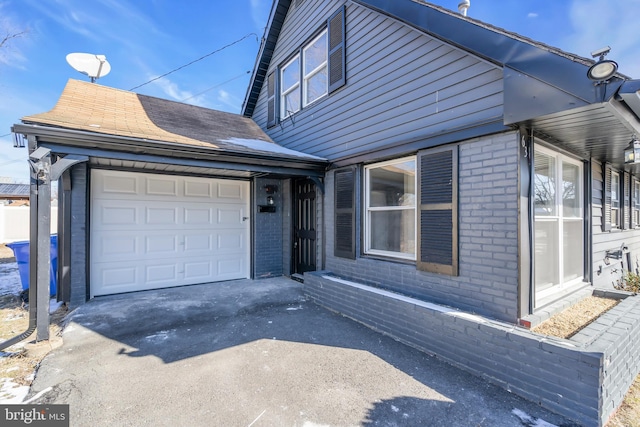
[70, 141]
[272, 32]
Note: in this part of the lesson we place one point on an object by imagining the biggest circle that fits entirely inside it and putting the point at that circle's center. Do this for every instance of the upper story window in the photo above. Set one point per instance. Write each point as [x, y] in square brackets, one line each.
[615, 199]
[314, 77]
[314, 65]
[390, 201]
[290, 87]
[314, 71]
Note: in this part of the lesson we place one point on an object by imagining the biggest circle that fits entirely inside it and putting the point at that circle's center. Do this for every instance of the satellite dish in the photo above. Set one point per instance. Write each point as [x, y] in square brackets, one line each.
[94, 66]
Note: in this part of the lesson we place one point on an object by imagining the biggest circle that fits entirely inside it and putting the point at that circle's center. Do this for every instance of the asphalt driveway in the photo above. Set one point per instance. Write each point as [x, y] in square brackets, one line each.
[255, 353]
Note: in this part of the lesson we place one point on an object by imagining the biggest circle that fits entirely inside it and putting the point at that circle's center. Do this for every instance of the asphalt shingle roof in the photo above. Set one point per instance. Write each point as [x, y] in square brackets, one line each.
[94, 108]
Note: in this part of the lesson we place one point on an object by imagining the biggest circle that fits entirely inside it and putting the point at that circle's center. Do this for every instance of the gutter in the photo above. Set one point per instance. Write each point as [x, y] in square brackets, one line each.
[88, 140]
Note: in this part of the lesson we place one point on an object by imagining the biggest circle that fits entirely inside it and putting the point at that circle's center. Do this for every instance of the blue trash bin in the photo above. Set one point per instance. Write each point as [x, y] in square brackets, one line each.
[21, 252]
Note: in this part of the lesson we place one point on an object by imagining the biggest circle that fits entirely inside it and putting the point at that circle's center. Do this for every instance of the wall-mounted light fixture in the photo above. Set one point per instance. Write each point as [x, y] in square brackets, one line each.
[632, 152]
[270, 207]
[604, 69]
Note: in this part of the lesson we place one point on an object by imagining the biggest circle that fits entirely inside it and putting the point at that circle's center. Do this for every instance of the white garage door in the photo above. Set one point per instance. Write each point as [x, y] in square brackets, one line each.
[155, 231]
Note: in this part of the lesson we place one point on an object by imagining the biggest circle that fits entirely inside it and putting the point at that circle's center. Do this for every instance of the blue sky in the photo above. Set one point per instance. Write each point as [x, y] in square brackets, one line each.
[143, 39]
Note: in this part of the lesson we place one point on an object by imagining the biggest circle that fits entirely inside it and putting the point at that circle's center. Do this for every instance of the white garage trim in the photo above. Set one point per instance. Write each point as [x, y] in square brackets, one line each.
[152, 231]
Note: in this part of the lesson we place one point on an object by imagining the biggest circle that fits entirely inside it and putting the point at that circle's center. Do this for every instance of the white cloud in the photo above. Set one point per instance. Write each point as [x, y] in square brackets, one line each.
[600, 23]
[171, 89]
[532, 15]
[228, 100]
[260, 10]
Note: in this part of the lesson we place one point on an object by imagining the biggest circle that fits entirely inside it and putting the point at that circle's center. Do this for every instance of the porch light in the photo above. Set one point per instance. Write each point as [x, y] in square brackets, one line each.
[604, 69]
[632, 152]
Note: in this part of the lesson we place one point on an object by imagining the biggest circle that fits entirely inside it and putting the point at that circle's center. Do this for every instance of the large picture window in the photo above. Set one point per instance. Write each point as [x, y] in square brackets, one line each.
[390, 201]
[559, 222]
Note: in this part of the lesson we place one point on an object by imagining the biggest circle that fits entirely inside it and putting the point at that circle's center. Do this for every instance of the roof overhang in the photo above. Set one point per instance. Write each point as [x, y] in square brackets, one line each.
[599, 131]
[272, 32]
[100, 147]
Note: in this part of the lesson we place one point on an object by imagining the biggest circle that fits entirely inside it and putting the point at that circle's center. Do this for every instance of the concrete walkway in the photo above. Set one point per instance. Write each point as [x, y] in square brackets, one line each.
[255, 353]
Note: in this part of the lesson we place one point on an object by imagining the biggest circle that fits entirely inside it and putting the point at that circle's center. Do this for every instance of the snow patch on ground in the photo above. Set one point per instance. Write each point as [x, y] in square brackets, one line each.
[529, 421]
[12, 393]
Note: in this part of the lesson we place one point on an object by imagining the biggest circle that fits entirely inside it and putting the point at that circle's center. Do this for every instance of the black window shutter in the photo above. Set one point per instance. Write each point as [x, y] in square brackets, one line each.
[336, 30]
[438, 214]
[345, 213]
[606, 198]
[626, 201]
[271, 99]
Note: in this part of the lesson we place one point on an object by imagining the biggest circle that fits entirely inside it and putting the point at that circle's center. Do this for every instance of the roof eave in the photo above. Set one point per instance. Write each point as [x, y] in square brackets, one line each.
[81, 138]
[263, 59]
[545, 63]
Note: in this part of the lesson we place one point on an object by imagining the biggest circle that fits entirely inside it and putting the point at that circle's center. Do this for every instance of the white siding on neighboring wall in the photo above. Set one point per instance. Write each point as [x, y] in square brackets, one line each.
[14, 223]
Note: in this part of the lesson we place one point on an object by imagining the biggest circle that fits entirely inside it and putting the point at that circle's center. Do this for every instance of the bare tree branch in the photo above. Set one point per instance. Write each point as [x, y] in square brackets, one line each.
[8, 37]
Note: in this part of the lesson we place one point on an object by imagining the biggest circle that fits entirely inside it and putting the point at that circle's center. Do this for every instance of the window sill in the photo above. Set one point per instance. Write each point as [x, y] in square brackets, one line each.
[389, 259]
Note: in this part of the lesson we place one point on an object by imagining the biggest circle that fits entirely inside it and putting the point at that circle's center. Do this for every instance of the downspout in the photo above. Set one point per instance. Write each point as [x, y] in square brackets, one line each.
[33, 264]
[42, 172]
[33, 290]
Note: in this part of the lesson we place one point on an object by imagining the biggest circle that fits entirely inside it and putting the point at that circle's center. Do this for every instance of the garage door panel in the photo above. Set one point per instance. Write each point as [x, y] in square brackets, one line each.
[153, 231]
[162, 273]
[120, 278]
[198, 242]
[229, 241]
[113, 247]
[230, 190]
[197, 216]
[162, 244]
[229, 267]
[229, 215]
[161, 187]
[161, 215]
[118, 184]
[198, 271]
[198, 189]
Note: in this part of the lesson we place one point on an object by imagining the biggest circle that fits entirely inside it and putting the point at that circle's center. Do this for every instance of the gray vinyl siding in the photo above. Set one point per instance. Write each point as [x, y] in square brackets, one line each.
[488, 238]
[402, 85]
[608, 240]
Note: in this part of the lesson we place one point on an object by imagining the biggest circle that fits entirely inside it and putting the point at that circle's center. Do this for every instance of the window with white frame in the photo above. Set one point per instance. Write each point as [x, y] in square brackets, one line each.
[390, 202]
[315, 70]
[314, 67]
[290, 87]
[615, 199]
[558, 224]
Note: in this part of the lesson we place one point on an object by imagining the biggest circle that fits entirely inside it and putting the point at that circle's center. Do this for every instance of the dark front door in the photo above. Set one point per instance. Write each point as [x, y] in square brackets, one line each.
[304, 226]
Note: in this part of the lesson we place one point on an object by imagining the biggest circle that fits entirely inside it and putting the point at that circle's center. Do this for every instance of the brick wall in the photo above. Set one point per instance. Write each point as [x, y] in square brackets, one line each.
[488, 239]
[79, 231]
[583, 379]
[268, 231]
